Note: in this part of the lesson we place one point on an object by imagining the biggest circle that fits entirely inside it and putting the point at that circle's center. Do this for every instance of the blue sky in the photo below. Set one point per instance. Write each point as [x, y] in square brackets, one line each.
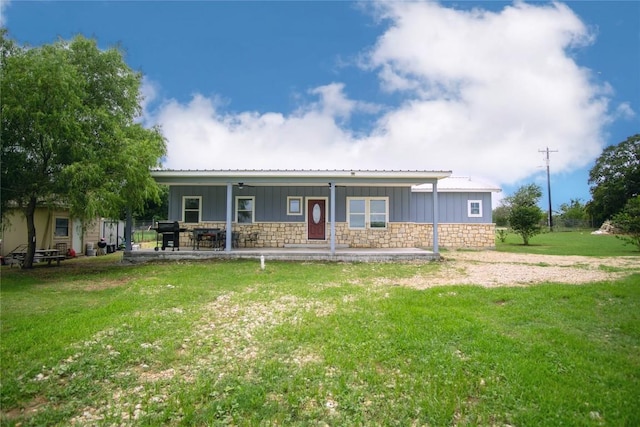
[473, 87]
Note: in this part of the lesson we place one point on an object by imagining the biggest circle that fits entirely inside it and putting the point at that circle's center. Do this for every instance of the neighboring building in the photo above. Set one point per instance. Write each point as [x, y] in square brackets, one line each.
[358, 209]
[56, 229]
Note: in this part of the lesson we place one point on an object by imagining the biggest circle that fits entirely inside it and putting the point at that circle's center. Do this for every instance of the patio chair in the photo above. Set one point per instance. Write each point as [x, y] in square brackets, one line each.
[235, 238]
[251, 238]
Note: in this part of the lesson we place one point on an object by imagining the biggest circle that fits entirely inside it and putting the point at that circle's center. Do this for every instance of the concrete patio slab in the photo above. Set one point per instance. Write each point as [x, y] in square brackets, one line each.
[285, 254]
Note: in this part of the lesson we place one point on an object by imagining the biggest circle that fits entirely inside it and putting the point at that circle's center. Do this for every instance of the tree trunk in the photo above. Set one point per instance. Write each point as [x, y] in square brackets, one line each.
[29, 214]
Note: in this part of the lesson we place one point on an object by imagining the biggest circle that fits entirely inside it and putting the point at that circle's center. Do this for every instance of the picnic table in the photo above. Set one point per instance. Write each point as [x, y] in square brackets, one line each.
[48, 255]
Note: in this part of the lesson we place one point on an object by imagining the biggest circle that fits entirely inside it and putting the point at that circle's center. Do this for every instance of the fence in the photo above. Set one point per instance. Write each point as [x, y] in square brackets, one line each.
[143, 231]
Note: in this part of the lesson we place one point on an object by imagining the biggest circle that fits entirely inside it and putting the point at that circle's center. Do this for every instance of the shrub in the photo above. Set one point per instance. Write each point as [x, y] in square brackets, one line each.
[627, 222]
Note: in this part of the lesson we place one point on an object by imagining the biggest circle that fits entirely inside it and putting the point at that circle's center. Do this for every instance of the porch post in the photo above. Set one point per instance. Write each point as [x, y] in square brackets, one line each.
[435, 216]
[229, 231]
[332, 207]
[128, 230]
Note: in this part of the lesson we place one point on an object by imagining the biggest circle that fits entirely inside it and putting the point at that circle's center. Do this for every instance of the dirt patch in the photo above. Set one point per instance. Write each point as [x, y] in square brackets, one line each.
[490, 268]
[28, 410]
[105, 284]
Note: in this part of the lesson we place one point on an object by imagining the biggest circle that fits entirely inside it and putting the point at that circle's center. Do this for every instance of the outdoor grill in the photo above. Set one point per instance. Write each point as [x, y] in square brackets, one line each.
[169, 233]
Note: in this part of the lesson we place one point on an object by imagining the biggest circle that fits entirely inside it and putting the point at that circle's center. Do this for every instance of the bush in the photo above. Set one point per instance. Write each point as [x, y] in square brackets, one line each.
[525, 221]
[627, 222]
[524, 213]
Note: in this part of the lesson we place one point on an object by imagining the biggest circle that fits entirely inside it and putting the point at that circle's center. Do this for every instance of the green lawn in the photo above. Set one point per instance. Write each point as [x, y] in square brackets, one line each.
[569, 243]
[94, 342]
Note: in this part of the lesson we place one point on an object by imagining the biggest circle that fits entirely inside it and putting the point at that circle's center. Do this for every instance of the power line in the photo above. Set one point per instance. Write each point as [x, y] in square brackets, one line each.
[550, 216]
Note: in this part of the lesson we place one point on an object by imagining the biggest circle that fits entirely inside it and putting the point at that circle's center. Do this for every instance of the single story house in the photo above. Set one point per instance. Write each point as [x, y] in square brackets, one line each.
[345, 208]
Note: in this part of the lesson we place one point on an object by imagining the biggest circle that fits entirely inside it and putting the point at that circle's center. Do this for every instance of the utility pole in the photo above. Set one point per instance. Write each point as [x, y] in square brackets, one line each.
[550, 218]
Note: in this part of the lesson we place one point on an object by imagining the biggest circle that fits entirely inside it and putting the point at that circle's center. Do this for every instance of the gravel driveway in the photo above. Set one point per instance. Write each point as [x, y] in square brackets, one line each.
[491, 268]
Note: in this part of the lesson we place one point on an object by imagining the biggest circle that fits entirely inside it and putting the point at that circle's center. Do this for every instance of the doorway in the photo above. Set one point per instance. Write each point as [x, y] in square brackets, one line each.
[316, 219]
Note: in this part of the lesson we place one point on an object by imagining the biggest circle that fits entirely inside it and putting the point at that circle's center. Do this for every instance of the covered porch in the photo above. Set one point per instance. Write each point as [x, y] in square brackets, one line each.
[215, 191]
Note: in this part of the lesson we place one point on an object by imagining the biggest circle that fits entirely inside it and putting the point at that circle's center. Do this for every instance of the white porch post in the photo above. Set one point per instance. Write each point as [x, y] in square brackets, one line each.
[229, 231]
[128, 231]
[435, 216]
[332, 207]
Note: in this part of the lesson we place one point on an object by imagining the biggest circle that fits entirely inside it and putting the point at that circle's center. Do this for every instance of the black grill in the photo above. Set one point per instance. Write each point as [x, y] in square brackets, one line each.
[169, 233]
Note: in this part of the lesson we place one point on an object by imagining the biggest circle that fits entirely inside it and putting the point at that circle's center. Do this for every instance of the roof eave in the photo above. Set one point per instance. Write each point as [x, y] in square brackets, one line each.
[296, 177]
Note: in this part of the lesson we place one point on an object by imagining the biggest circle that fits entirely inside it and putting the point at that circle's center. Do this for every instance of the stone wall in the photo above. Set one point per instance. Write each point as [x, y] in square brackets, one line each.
[396, 235]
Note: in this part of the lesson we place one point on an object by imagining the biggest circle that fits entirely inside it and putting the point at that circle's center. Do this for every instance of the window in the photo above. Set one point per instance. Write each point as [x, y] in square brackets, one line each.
[62, 227]
[357, 213]
[474, 208]
[294, 205]
[367, 212]
[192, 209]
[245, 210]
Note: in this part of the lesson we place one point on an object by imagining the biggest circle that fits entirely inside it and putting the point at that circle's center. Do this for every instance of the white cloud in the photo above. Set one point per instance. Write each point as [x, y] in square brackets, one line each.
[484, 91]
[201, 137]
[625, 111]
[3, 7]
[148, 94]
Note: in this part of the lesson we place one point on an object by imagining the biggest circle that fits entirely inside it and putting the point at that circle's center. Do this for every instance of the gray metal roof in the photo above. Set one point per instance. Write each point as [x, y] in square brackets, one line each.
[458, 184]
[297, 177]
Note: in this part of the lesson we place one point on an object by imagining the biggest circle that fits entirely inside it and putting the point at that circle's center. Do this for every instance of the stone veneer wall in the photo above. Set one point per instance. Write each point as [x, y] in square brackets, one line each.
[397, 235]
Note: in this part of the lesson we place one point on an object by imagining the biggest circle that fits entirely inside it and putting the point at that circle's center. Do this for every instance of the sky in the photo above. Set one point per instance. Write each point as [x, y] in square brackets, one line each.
[478, 88]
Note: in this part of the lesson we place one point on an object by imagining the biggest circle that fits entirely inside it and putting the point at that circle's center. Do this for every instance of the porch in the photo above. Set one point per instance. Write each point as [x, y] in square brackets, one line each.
[286, 254]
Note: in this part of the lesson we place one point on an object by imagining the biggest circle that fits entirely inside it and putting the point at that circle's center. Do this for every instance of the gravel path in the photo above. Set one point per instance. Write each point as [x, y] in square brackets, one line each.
[490, 268]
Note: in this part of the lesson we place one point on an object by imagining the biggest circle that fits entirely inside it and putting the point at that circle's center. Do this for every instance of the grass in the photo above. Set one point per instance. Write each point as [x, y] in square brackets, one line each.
[95, 342]
[568, 243]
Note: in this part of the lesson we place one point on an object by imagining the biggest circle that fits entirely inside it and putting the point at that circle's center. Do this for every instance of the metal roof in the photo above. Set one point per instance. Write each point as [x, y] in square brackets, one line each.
[297, 176]
[458, 184]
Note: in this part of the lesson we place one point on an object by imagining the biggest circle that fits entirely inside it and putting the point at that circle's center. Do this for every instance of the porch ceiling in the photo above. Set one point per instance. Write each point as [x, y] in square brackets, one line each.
[297, 177]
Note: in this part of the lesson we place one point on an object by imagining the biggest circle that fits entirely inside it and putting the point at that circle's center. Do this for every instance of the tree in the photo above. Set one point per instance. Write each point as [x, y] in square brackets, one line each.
[69, 135]
[524, 213]
[573, 214]
[614, 179]
[155, 210]
[627, 222]
[501, 215]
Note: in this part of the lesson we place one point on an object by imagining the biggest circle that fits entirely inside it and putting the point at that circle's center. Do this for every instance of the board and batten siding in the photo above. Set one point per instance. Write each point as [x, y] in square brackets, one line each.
[271, 201]
[213, 201]
[452, 208]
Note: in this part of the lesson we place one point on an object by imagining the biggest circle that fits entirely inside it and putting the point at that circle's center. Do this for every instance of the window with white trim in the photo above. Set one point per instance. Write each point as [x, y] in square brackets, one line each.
[474, 208]
[245, 211]
[368, 212]
[192, 209]
[294, 205]
[62, 227]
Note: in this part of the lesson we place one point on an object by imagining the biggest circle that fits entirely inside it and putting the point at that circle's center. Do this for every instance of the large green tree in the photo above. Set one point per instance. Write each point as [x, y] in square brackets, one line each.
[524, 213]
[69, 132]
[614, 179]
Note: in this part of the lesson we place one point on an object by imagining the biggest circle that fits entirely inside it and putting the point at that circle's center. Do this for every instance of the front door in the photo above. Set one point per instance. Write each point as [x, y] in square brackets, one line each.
[316, 219]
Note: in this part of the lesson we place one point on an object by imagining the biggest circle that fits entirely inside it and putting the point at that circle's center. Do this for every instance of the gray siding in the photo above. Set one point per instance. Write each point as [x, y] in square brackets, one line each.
[452, 207]
[214, 201]
[271, 203]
